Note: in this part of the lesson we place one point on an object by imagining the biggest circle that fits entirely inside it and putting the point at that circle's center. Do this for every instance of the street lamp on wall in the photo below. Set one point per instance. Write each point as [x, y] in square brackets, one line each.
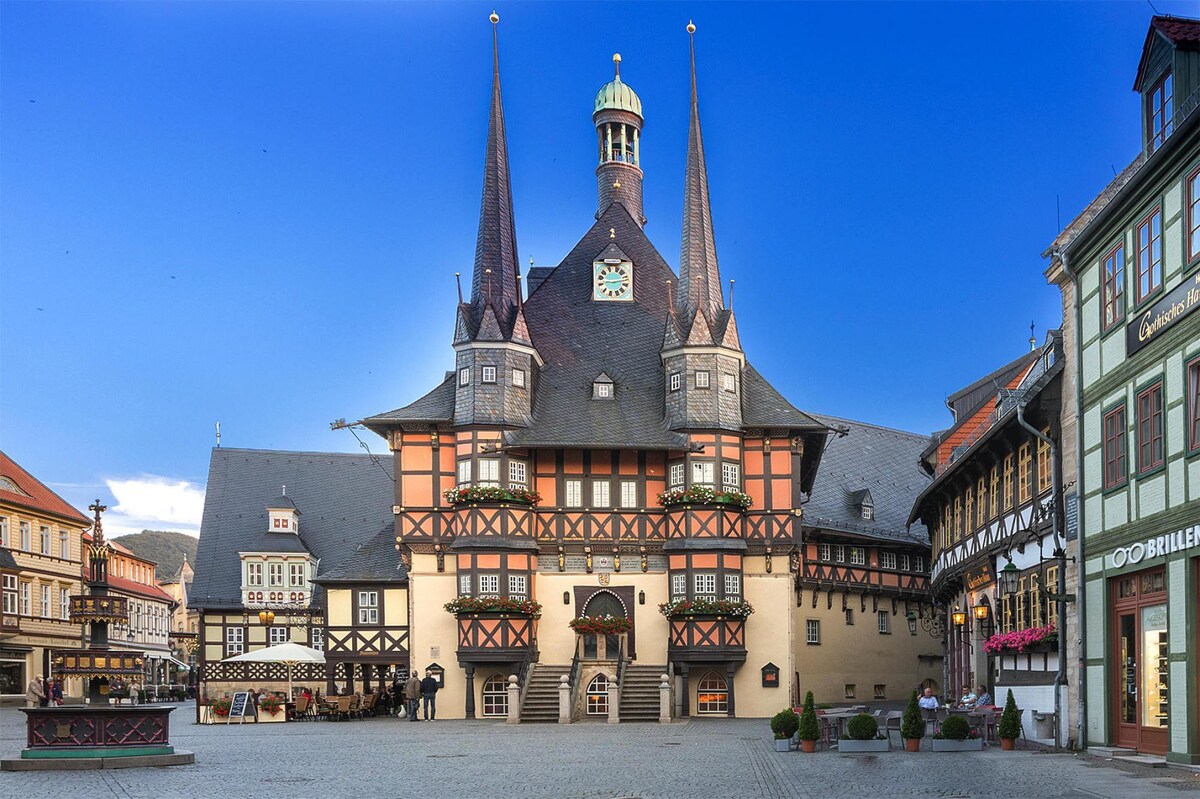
[912, 623]
[958, 617]
[983, 615]
[1010, 577]
[266, 616]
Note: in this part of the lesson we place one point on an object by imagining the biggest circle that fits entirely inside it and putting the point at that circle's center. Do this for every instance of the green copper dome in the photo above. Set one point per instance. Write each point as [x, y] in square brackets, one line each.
[617, 95]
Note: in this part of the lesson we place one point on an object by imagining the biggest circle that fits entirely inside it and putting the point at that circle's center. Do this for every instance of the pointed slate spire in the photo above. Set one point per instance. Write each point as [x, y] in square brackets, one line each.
[496, 244]
[699, 277]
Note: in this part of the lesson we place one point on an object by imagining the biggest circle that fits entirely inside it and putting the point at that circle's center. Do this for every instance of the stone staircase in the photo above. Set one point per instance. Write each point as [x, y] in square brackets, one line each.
[639, 694]
[541, 696]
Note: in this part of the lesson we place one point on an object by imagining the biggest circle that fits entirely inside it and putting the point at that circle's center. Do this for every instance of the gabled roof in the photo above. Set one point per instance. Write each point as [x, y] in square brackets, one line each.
[1182, 33]
[374, 561]
[973, 403]
[33, 493]
[870, 461]
[128, 586]
[347, 500]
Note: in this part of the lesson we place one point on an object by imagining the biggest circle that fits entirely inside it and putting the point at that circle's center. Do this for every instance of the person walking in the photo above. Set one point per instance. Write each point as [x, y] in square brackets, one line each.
[57, 695]
[429, 689]
[412, 693]
[35, 692]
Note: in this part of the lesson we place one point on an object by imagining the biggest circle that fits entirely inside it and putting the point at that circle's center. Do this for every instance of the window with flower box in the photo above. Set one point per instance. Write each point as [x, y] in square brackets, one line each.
[1052, 587]
[1150, 427]
[489, 471]
[733, 586]
[678, 587]
[489, 585]
[464, 472]
[702, 473]
[1149, 255]
[464, 584]
[704, 585]
[518, 473]
[676, 474]
[517, 586]
[729, 477]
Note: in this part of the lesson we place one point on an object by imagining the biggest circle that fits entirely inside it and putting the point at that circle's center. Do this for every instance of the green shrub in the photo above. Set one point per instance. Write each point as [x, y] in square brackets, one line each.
[785, 723]
[912, 725]
[1010, 719]
[810, 730]
[955, 728]
[863, 727]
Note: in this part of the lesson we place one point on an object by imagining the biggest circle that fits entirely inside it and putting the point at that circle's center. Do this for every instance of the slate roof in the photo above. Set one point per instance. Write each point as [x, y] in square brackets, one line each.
[436, 406]
[7, 561]
[870, 458]
[34, 494]
[346, 500]
[374, 561]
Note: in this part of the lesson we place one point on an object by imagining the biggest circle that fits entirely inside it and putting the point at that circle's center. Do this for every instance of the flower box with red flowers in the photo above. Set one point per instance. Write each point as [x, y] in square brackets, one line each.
[700, 495]
[1021, 641]
[684, 608]
[494, 604]
[464, 495]
[601, 625]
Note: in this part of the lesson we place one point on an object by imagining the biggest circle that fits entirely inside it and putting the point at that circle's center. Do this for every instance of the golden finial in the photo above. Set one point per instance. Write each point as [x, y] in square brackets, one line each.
[612, 232]
[617, 61]
[691, 27]
[617, 183]
[494, 17]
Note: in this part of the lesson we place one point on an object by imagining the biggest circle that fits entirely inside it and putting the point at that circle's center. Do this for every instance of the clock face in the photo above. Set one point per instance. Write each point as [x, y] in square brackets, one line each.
[612, 281]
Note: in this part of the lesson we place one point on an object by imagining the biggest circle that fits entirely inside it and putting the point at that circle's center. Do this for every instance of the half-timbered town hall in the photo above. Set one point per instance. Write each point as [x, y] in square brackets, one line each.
[603, 489]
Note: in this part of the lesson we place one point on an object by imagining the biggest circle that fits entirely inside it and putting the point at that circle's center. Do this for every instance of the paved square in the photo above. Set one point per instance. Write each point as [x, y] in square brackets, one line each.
[463, 759]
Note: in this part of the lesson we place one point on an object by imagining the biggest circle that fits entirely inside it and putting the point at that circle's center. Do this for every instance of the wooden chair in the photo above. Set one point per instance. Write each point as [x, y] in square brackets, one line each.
[344, 707]
[301, 710]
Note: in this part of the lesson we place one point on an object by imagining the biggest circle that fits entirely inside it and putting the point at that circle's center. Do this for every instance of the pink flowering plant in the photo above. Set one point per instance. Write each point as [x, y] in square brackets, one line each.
[1020, 640]
[601, 625]
[702, 495]
[706, 607]
[494, 604]
[457, 496]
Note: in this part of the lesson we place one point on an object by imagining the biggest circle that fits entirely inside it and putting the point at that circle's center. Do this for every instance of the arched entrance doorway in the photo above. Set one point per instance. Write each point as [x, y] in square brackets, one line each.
[616, 602]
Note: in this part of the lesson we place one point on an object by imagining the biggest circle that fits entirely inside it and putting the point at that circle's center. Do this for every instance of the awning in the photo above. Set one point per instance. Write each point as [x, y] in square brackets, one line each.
[162, 656]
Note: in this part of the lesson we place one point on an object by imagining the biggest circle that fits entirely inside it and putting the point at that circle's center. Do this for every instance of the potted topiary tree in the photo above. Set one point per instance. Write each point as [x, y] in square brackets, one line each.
[1010, 723]
[863, 736]
[784, 724]
[810, 729]
[912, 726]
[957, 736]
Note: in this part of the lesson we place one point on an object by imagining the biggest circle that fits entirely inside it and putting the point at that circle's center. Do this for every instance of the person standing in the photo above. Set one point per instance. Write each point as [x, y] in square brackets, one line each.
[429, 689]
[57, 696]
[35, 692]
[412, 694]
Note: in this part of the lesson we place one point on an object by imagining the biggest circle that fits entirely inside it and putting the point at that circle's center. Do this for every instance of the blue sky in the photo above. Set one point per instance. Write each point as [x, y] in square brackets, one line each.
[252, 213]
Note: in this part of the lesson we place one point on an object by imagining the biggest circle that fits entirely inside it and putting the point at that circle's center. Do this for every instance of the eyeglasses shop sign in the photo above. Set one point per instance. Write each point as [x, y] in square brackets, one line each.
[1156, 547]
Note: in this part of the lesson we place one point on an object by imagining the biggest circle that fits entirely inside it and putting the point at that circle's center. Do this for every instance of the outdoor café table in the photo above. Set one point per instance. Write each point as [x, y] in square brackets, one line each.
[836, 721]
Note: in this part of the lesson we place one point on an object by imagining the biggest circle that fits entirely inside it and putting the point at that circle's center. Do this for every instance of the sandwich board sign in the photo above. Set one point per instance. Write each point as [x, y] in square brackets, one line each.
[240, 707]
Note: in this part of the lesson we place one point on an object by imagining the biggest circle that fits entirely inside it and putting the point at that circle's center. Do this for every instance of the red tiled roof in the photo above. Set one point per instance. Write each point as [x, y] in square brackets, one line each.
[131, 587]
[36, 495]
[1180, 30]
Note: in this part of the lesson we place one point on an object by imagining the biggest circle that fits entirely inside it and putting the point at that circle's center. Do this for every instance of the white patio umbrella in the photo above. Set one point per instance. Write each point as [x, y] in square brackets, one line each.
[289, 654]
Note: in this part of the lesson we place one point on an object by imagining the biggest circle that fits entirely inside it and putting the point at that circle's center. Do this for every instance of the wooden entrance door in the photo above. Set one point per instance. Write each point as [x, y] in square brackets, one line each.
[1139, 676]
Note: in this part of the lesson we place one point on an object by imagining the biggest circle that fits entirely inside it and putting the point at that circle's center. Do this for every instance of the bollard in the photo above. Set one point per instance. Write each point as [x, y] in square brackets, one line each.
[564, 700]
[664, 700]
[514, 700]
[614, 701]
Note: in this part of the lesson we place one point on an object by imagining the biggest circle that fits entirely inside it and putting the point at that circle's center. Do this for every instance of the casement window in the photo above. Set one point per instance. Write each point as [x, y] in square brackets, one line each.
[629, 494]
[1115, 470]
[1193, 405]
[729, 477]
[858, 556]
[368, 607]
[1193, 216]
[254, 574]
[887, 560]
[849, 617]
[701, 379]
[296, 575]
[678, 587]
[851, 690]
[704, 585]
[489, 585]
[733, 586]
[702, 473]
[26, 536]
[1150, 428]
[994, 494]
[1007, 499]
[1024, 465]
[600, 494]
[45, 601]
[573, 493]
[489, 471]
[488, 374]
[1149, 255]
[275, 575]
[10, 593]
[1035, 601]
[518, 473]
[26, 588]
[1052, 587]
[64, 604]
[676, 474]
[958, 527]
[1006, 614]
[867, 511]
[4, 534]
[44, 539]
[824, 552]
[905, 564]
[1160, 111]
[64, 545]
[235, 641]
[969, 508]
[277, 635]
[729, 383]
[517, 586]
[316, 639]
[602, 390]
[464, 377]
[919, 563]
[495, 696]
[675, 381]
[981, 502]
[1113, 310]
[1043, 463]
[464, 584]
[464, 472]
[885, 623]
[812, 631]
[518, 378]
[839, 553]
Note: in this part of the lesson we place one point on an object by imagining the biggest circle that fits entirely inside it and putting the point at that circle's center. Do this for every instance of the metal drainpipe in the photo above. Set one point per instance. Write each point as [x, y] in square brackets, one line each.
[1060, 676]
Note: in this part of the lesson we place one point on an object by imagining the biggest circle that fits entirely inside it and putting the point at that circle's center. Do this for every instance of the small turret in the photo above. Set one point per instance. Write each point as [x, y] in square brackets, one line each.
[619, 121]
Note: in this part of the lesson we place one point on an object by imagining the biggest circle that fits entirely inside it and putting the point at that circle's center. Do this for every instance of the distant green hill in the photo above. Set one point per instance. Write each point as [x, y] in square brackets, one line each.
[163, 547]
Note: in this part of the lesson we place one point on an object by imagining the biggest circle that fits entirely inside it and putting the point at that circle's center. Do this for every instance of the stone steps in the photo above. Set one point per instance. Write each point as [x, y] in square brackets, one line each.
[541, 694]
[640, 693]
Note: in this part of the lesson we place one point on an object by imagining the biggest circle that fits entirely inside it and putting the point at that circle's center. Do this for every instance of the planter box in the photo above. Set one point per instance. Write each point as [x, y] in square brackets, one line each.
[946, 745]
[783, 744]
[850, 746]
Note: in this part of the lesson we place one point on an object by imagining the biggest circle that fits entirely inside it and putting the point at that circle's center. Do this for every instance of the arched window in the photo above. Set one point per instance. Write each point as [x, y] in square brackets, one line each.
[712, 695]
[597, 695]
[495, 696]
[604, 603]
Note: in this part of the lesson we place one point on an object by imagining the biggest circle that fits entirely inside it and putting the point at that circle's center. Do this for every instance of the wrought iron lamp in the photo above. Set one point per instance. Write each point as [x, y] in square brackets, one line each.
[266, 616]
[959, 617]
[983, 615]
[912, 623]
[1010, 577]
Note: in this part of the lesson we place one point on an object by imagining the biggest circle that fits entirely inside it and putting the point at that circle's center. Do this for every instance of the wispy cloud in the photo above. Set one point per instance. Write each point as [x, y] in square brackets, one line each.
[150, 502]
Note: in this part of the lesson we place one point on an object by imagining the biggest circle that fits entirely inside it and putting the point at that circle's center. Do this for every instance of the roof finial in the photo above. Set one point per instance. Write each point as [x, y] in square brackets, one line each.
[495, 18]
[1032, 340]
[283, 491]
[670, 301]
[731, 295]
[691, 29]
[488, 277]
[458, 282]
[617, 63]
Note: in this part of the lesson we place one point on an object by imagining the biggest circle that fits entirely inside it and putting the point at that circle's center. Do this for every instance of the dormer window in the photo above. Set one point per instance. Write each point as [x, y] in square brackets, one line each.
[602, 387]
[518, 378]
[868, 511]
[729, 383]
[1159, 111]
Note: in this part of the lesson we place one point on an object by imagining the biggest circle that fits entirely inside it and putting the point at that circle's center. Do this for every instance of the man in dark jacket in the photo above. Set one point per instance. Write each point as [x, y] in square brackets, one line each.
[412, 695]
[429, 689]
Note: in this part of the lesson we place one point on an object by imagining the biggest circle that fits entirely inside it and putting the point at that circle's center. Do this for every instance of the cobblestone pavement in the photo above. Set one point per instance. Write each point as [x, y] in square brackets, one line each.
[465, 759]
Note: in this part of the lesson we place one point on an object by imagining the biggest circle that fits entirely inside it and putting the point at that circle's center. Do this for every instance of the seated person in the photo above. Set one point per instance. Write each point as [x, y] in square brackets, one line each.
[928, 701]
[983, 698]
[968, 699]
